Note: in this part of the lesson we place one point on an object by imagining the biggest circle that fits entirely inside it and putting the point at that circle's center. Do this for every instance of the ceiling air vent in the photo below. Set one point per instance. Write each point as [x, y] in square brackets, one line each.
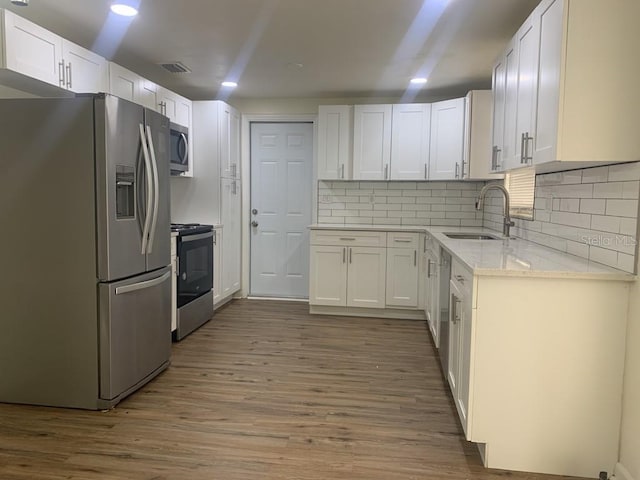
[175, 67]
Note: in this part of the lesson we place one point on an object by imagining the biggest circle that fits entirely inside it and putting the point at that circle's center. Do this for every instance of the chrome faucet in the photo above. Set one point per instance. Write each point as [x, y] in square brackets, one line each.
[507, 224]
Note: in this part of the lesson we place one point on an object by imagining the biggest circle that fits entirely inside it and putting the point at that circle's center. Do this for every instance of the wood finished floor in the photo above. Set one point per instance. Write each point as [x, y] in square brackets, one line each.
[264, 391]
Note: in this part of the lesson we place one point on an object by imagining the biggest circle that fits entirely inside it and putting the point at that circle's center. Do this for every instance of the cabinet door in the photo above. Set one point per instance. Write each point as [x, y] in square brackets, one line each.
[146, 94]
[85, 71]
[234, 142]
[32, 50]
[527, 44]
[224, 128]
[431, 300]
[464, 349]
[230, 216]
[123, 83]
[499, 87]
[455, 314]
[335, 128]
[217, 265]
[402, 277]
[183, 111]
[328, 276]
[371, 142]
[410, 131]
[366, 277]
[447, 139]
[509, 157]
[166, 102]
[548, 86]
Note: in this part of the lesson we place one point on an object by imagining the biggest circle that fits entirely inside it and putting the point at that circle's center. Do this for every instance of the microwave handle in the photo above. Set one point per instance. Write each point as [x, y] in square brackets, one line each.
[184, 158]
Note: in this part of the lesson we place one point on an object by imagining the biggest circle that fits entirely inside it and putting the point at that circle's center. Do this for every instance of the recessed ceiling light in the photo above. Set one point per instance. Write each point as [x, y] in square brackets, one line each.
[124, 9]
[20, 3]
[229, 84]
[419, 81]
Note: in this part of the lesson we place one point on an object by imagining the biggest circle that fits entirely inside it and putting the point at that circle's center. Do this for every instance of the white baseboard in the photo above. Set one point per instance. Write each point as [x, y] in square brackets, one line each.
[621, 473]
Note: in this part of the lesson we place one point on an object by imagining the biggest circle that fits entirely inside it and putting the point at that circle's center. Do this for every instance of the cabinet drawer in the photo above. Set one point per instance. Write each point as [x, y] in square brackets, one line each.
[461, 276]
[403, 240]
[348, 238]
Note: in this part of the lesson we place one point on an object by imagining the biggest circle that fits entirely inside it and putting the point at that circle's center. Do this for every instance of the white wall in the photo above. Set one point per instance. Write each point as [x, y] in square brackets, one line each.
[630, 436]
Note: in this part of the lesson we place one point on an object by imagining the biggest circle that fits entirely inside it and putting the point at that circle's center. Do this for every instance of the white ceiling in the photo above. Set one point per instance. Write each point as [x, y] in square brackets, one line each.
[347, 48]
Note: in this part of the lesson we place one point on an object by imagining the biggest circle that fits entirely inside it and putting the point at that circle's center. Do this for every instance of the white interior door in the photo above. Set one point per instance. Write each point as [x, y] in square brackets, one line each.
[281, 185]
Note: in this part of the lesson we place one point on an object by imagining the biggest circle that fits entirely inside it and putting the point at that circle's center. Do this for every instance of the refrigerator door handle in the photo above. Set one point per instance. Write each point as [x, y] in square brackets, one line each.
[147, 163]
[142, 285]
[156, 191]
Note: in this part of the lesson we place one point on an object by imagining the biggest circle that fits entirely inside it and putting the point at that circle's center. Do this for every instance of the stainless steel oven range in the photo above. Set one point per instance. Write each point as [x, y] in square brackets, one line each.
[194, 251]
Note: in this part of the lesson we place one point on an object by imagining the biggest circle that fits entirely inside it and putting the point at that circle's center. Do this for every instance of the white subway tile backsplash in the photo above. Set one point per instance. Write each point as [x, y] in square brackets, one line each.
[622, 208]
[402, 185]
[387, 221]
[592, 205]
[595, 219]
[624, 172]
[607, 190]
[630, 190]
[604, 223]
[595, 175]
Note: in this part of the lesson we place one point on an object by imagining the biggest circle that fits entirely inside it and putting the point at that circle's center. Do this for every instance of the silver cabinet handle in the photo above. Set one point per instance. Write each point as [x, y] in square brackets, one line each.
[462, 170]
[234, 170]
[142, 285]
[415, 258]
[386, 171]
[177, 266]
[215, 237]
[457, 174]
[460, 278]
[350, 255]
[347, 239]
[342, 171]
[424, 250]
[527, 156]
[344, 254]
[429, 268]
[69, 78]
[234, 188]
[61, 73]
[455, 318]
[523, 140]
[400, 240]
[425, 171]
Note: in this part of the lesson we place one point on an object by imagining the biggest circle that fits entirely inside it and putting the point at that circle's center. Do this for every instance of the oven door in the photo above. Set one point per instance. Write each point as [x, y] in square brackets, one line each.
[195, 266]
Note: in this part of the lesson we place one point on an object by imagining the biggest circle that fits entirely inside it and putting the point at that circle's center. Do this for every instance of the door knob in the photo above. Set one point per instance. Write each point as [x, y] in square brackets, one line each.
[254, 211]
[254, 224]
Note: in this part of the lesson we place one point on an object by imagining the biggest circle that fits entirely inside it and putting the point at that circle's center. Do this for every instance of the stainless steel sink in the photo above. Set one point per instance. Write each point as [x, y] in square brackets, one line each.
[471, 236]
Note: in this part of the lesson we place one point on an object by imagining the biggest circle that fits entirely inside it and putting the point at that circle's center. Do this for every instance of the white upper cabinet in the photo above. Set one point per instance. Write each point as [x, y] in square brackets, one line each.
[527, 47]
[177, 108]
[146, 94]
[123, 83]
[477, 163]
[371, 142]
[447, 140]
[573, 96]
[32, 50]
[410, 132]
[85, 71]
[229, 135]
[37, 53]
[335, 134]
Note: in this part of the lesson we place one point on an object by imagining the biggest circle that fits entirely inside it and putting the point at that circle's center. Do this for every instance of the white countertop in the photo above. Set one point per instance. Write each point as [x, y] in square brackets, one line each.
[506, 257]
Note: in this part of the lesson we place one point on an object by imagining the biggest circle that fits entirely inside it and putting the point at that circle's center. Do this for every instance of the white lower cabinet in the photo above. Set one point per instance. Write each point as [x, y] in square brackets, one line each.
[460, 340]
[217, 265]
[231, 254]
[174, 284]
[432, 289]
[402, 269]
[366, 277]
[365, 270]
[545, 375]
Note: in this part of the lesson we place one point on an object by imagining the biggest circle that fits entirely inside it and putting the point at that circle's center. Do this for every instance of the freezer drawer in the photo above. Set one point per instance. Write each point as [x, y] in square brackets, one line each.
[135, 332]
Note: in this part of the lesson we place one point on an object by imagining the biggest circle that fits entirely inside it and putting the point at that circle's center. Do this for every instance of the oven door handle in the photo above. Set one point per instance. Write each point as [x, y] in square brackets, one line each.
[197, 236]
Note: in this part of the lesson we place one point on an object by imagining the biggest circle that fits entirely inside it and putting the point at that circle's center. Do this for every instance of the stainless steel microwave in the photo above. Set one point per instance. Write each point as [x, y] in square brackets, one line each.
[179, 151]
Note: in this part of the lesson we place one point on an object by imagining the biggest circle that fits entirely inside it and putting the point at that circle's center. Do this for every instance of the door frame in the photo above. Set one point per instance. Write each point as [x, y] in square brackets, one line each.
[245, 160]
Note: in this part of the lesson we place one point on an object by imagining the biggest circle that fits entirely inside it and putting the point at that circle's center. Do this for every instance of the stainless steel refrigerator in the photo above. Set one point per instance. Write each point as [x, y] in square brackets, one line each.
[85, 288]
